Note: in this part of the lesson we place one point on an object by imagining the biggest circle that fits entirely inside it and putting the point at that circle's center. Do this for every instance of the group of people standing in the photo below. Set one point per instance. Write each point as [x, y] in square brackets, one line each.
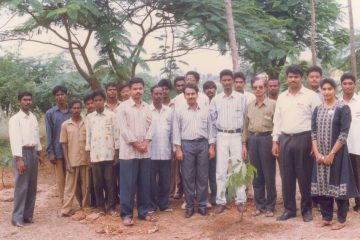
[125, 149]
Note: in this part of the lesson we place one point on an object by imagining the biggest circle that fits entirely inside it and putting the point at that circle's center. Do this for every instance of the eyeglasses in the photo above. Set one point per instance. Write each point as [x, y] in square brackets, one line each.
[258, 87]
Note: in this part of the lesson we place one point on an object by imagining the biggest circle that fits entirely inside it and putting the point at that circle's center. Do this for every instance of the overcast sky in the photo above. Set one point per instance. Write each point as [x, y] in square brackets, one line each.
[203, 61]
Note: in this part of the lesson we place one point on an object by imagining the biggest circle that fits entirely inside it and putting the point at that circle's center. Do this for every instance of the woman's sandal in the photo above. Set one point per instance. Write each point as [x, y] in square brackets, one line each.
[337, 226]
[323, 224]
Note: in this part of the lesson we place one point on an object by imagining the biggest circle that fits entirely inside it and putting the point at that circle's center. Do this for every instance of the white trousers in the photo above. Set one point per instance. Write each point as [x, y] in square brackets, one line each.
[228, 150]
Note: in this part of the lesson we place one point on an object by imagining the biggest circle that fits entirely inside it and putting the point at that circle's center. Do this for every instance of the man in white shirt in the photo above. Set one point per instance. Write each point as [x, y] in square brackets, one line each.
[239, 84]
[227, 113]
[102, 148]
[26, 148]
[160, 150]
[314, 77]
[292, 142]
[348, 85]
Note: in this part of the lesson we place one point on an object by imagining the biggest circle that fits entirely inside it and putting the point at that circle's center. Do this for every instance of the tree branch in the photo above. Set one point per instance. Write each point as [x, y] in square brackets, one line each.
[36, 41]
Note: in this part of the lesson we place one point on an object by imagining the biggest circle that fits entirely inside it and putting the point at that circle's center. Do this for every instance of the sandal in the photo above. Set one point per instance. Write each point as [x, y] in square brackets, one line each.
[150, 218]
[257, 213]
[128, 222]
[323, 224]
[269, 214]
[337, 226]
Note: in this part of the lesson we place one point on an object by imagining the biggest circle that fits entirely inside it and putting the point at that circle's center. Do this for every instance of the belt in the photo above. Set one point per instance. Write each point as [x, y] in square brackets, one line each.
[260, 133]
[229, 131]
[295, 134]
[195, 140]
[28, 147]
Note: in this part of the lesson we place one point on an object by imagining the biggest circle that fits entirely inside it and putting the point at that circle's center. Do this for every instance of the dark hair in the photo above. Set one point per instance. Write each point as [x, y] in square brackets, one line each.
[121, 86]
[112, 84]
[257, 79]
[239, 75]
[315, 69]
[136, 80]
[274, 79]
[100, 93]
[191, 86]
[88, 96]
[348, 75]
[153, 88]
[59, 88]
[165, 83]
[178, 78]
[209, 84]
[329, 81]
[195, 74]
[226, 72]
[24, 94]
[72, 103]
[295, 69]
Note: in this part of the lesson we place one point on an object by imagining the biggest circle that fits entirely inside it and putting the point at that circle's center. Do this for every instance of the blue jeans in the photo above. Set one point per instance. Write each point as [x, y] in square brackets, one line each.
[135, 178]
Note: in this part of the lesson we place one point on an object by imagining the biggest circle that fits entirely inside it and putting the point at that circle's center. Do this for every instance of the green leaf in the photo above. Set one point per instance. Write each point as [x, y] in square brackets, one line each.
[36, 5]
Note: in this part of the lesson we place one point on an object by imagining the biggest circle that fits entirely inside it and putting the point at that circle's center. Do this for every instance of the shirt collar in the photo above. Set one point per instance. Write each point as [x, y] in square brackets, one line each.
[23, 114]
[152, 108]
[133, 104]
[108, 106]
[57, 109]
[228, 96]
[355, 98]
[80, 123]
[264, 103]
[301, 91]
[189, 108]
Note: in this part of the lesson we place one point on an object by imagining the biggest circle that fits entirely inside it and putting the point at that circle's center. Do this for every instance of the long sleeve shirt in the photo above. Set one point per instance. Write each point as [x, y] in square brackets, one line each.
[161, 133]
[23, 132]
[190, 124]
[54, 118]
[293, 112]
[135, 126]
[227, 113]
[352, 142]
[102, 136]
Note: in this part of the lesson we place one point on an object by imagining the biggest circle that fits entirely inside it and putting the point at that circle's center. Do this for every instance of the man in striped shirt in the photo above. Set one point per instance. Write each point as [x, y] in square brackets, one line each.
[191, 133]
[227, 112]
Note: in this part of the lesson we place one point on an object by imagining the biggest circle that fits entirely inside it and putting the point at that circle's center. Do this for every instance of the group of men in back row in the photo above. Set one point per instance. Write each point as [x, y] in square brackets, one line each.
[125, 148]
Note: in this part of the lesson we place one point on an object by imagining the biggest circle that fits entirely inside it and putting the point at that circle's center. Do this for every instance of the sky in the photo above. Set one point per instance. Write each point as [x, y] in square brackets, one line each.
[203, 61]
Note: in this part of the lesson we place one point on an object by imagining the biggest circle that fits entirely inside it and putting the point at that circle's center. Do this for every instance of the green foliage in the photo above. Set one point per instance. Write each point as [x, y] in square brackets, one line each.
[239, 176]
[5, 153]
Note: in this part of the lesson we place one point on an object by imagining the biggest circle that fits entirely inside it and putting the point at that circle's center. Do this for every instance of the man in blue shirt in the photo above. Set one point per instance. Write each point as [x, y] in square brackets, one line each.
[54, 117]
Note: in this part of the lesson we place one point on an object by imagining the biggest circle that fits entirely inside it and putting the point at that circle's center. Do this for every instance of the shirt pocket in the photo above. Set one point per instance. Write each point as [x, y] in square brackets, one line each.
[268, 121]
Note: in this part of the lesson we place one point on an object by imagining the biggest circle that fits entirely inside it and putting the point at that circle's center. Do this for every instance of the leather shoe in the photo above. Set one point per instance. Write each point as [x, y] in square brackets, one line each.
[17, 224]
[28, 220]
[285, 216]
[189, 213]
[307, 217]
[219, 209]
[203, 211]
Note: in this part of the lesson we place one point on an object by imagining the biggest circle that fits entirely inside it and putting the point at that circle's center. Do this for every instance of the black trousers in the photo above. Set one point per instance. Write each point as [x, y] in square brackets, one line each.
[135, 179]
[327, 206]
[355, 162]
[103, 183]
[116, 171]
[195, 171]
[264, 182]
[212, 179]
[296, 163]
[160, 184]
[92, 189]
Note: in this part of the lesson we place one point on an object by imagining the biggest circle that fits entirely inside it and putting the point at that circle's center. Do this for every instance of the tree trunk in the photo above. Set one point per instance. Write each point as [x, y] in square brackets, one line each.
[232, 38]
[352, 40]
[313, 32]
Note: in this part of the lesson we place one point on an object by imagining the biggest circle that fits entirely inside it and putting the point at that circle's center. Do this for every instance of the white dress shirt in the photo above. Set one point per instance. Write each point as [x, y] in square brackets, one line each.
[161, 133]
[23, 132]
[293, 112]
[227, 112]
[352, 141]
[180, 100]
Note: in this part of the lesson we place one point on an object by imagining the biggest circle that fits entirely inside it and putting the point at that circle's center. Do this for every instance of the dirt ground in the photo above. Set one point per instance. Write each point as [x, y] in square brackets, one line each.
[228, 225]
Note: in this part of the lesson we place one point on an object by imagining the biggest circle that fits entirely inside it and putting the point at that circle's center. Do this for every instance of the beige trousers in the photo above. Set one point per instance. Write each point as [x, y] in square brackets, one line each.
[76, 186]
[59, 167]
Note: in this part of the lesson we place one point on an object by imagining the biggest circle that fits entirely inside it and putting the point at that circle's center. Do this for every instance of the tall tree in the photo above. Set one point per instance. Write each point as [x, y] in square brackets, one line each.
[313, 32]
[232, 35]
[352, 39]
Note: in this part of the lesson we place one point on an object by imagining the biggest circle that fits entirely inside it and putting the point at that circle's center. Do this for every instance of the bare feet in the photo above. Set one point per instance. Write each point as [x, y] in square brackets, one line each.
[323, 223]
